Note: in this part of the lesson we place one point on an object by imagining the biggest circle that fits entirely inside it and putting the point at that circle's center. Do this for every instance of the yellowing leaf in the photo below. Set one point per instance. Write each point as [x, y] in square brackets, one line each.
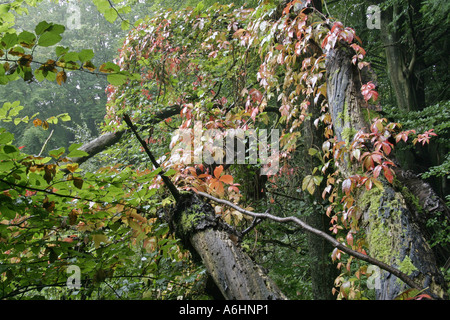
[72, 167]
[73, 217]
[61, 77]
[45, 125]
[98, 239]
[308, 184]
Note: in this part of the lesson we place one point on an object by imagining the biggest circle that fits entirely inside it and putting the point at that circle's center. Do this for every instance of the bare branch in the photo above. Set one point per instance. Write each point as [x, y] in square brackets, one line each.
[173, 190]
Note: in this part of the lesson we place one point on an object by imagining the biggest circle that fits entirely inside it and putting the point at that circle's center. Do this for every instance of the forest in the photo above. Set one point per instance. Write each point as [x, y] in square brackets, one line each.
[224, 150]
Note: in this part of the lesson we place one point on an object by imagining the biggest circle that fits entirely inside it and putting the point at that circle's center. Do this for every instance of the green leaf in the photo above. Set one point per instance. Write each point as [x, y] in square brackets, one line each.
[85, 55]
[317, 180]
[110, 15]
[6, 137]
[49, 39]
[9, 40]
[7, 212]
[52, 120]
[39, 75]
[65, 117]
[74, 152]
[42, 27]
[57, 152]
[102, 5]
[170, 172]
[7, 166]
[77, 153]
[70, 56]
[59, 50]
[117, 79]
[109, 67]
[8, 149]
[312, 151]
[57, 28]
[125, 25]
[74, 146]
[27, 38]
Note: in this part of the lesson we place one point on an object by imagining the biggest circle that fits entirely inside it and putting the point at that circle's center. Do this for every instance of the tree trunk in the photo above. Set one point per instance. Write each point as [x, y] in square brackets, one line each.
[108, 139]
[236, 275]
[408, 87]
[214, 244]
[322, 269]
[393, 235]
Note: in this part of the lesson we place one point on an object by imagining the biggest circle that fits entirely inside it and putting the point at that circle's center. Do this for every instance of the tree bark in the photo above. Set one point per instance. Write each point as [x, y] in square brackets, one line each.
[322, 269]
[408, 87]
[393, 235]
[108, 139]
[214, 244]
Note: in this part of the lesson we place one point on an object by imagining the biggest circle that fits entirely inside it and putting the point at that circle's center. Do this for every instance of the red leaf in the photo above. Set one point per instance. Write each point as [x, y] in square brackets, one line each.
[377, 170]
[388, 174]
[287, 8]
[368, 91]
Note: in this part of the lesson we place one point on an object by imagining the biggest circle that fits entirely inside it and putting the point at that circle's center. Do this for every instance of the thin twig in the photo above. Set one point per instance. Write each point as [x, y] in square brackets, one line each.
[45, 143]
[173, 190]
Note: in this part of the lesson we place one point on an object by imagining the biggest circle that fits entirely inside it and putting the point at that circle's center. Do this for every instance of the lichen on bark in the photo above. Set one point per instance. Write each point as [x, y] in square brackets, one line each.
[393, 238]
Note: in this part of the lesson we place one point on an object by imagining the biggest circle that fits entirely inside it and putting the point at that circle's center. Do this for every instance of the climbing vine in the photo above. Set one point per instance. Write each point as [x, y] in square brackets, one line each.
[231, 68]
[223, 68]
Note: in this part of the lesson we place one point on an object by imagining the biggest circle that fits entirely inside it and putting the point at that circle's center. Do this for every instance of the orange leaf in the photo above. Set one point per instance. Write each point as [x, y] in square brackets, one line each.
[227, 179]
[37, 122]
[61, 77]
[218, 171]
[72, 167]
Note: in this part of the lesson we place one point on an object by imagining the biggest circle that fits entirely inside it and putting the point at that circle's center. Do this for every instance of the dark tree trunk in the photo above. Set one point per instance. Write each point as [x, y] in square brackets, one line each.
[402, 66]
[322, 269]
[394, 236]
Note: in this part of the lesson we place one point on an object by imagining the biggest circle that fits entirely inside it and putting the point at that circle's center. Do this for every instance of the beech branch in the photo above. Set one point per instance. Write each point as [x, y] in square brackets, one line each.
[402, 276]
[108, 139]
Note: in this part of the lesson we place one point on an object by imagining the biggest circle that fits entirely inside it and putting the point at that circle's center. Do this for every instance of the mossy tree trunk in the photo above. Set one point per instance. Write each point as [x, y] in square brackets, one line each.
[214, 244]
[394, 235]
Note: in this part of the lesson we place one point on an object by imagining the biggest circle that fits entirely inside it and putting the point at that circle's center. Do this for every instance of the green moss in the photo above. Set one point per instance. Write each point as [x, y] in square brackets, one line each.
[190, 218]
[406, 266]
[369, 115]
[379, 243]
[383, 216]
[408, 195]
[348, 133]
